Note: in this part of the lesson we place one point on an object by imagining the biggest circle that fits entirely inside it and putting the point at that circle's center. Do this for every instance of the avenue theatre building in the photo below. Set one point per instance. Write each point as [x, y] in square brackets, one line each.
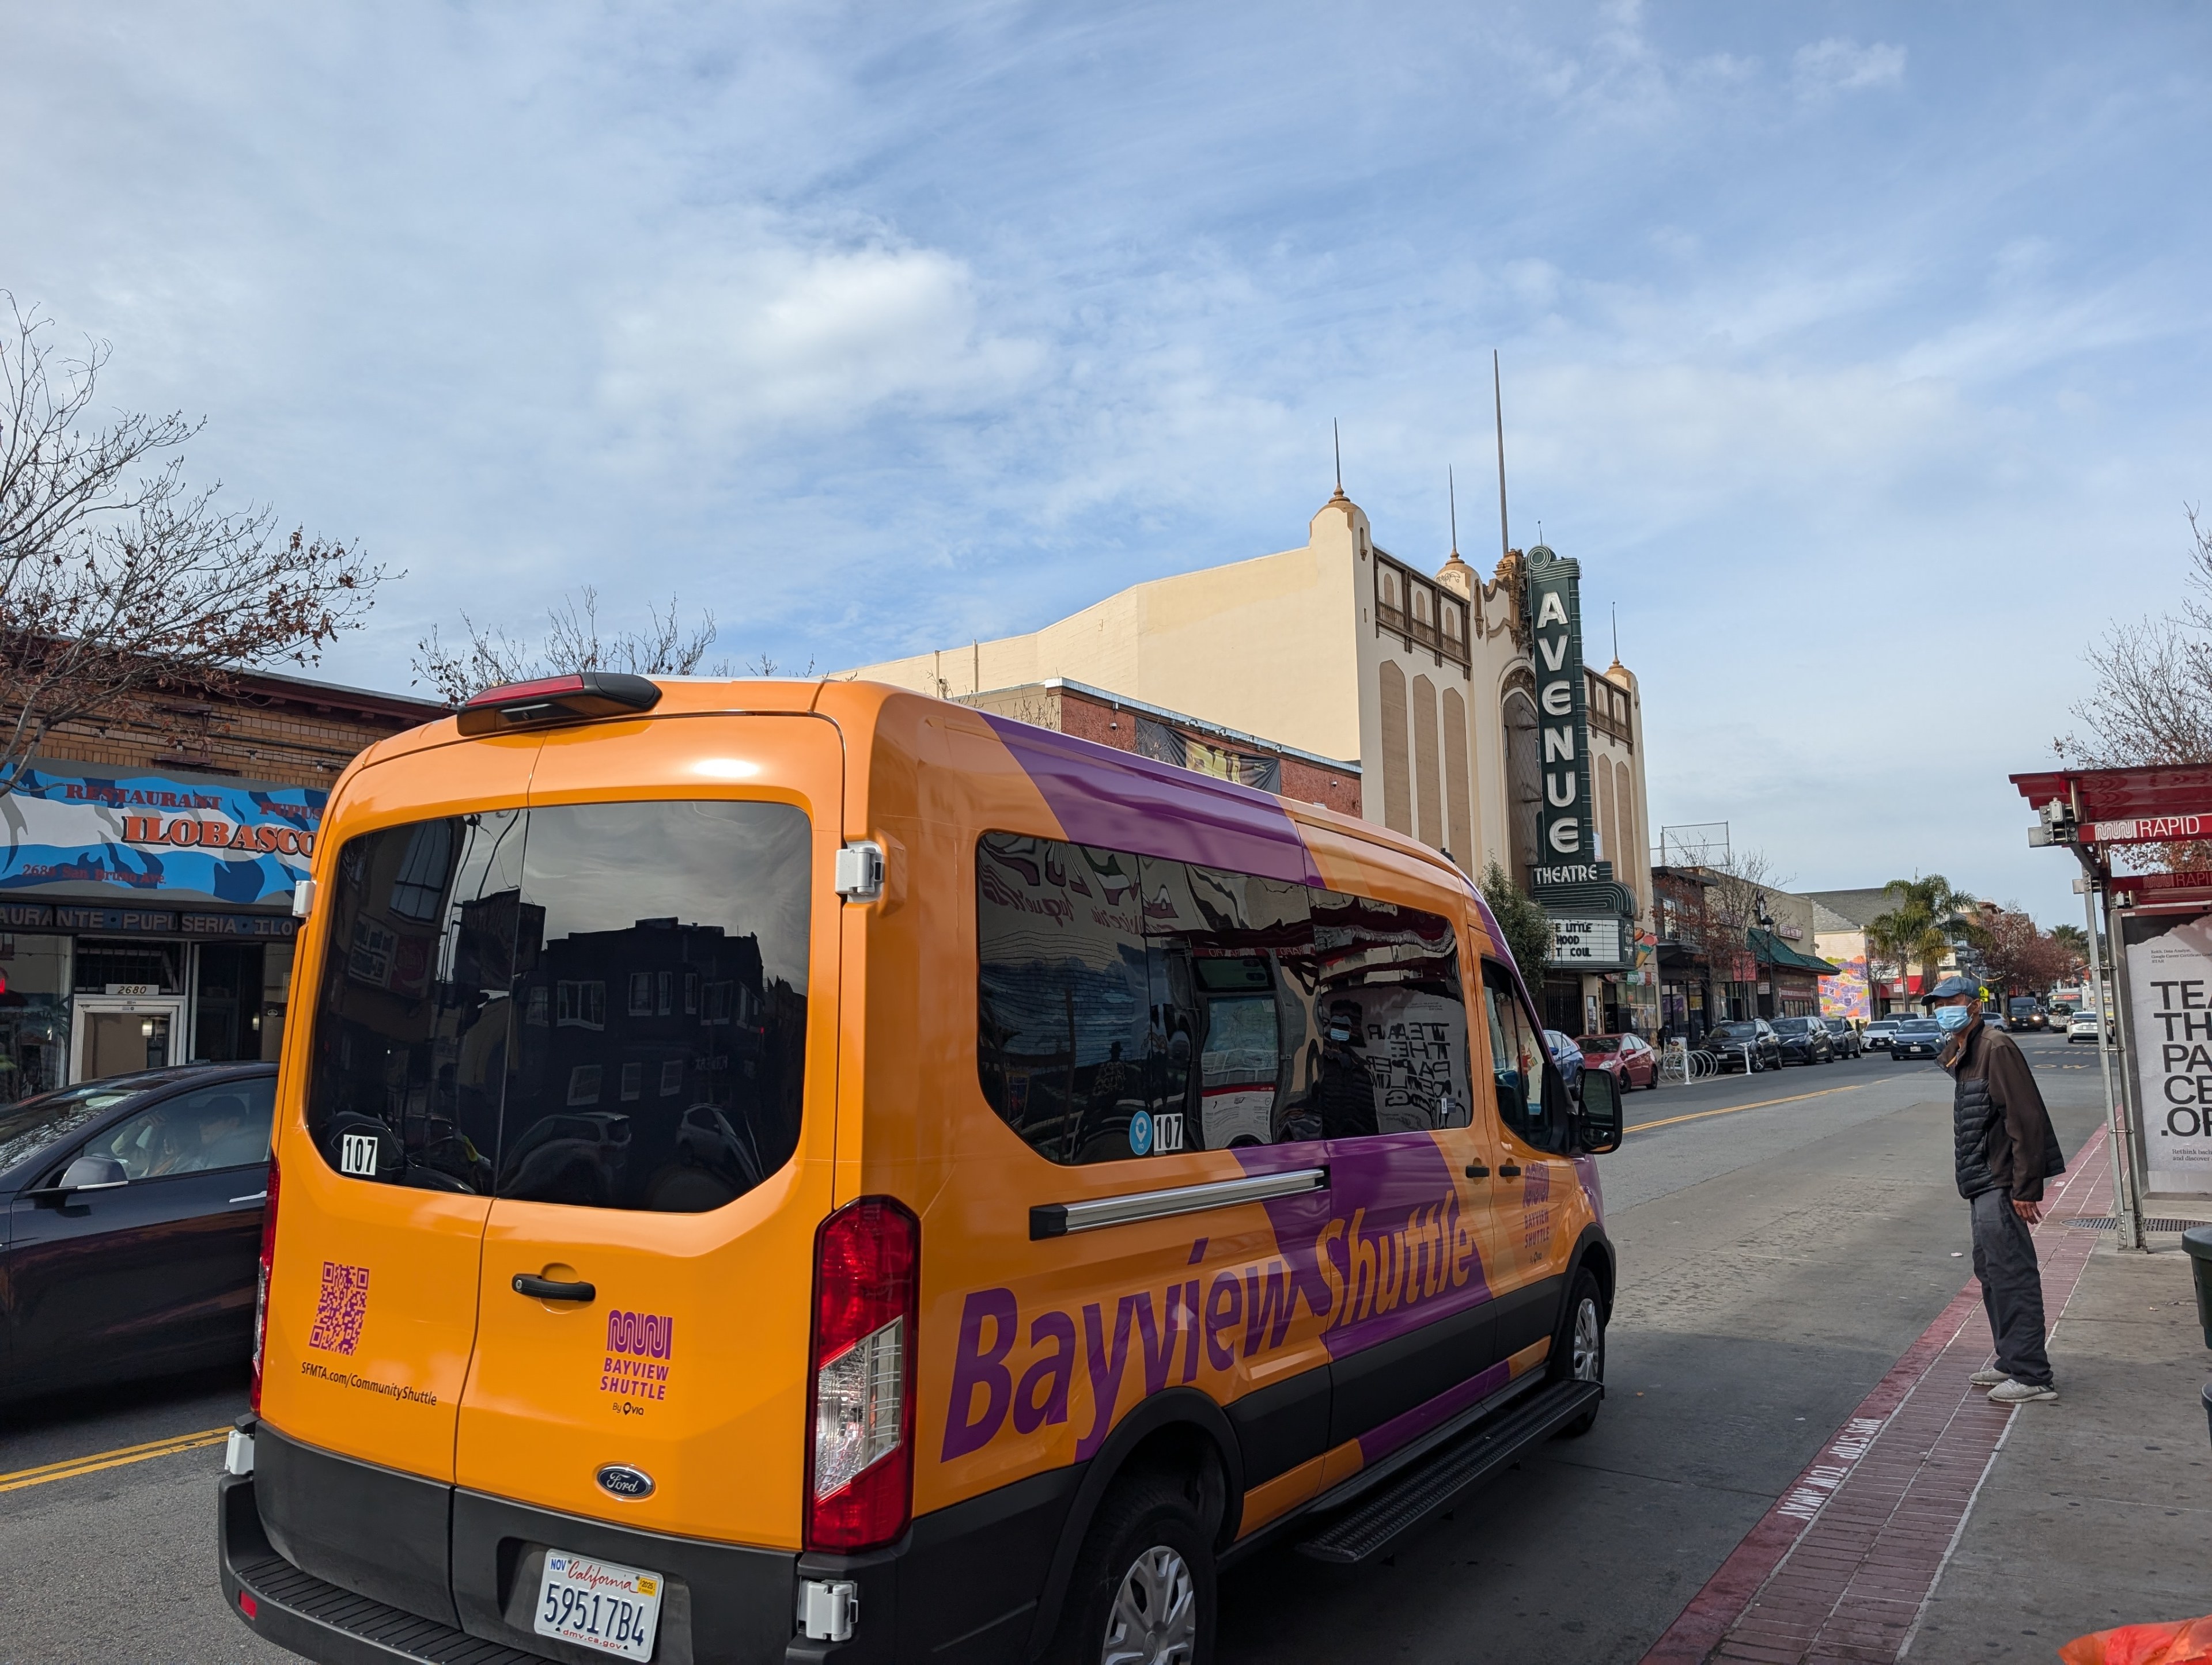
[146, 885]
[1453, 707]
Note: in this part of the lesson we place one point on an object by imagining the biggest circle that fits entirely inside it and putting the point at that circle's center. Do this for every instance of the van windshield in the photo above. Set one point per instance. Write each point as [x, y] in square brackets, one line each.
[602, 1003]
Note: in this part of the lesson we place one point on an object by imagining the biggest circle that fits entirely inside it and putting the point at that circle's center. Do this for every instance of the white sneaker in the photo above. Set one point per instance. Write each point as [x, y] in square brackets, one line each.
[1989, 1376]
[2020, 1393]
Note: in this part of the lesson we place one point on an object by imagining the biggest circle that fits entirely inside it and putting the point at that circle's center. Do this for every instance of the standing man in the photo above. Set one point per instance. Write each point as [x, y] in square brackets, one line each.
[2005, 1148]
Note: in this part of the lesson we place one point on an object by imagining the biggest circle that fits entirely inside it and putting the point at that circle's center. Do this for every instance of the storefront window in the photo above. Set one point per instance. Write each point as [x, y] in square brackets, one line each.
[34, 1016]
[108, 966]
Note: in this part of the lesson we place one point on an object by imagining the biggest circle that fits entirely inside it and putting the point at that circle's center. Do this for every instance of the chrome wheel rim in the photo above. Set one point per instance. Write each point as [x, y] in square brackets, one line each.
[1154, 1618]
[1590, 1341]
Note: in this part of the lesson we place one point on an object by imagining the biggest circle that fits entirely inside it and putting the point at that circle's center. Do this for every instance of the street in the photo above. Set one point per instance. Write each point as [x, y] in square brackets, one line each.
[1783, 1238]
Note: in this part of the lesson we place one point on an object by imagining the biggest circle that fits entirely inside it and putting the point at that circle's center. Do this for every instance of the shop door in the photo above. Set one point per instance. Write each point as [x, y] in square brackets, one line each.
[117, 1035]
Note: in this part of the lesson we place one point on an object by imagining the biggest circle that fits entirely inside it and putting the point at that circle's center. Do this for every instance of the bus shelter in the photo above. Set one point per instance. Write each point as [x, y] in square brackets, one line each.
[2153, 987]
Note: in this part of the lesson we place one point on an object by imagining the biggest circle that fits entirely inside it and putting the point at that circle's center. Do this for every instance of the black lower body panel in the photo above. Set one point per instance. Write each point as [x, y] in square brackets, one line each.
[374, 1531]
[338, 1561]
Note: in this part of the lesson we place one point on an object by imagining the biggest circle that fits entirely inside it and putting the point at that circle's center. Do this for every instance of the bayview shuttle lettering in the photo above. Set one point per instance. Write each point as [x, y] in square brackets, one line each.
[1392, 1245]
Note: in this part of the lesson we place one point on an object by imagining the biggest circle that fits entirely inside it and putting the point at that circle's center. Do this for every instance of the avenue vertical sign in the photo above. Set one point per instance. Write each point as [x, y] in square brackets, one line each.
[1566, 836]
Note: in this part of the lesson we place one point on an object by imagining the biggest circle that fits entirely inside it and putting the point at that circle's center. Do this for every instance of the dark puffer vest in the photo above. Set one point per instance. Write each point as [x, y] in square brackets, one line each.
[1973, 1118]
[1973, 1115]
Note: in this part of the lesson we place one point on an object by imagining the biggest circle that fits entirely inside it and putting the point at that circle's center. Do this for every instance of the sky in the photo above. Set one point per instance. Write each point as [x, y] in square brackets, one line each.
[1858, 352]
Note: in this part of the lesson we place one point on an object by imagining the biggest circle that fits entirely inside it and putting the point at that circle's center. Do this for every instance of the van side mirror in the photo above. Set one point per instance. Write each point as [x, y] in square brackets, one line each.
[93, 1174]
[1597, 1126]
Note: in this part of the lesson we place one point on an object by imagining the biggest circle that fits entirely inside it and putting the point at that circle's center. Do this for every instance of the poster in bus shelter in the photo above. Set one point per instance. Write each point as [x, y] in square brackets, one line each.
[2169, 959]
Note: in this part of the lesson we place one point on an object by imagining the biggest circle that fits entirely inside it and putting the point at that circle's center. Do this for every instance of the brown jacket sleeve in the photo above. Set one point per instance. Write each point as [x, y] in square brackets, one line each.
[2012, 1090]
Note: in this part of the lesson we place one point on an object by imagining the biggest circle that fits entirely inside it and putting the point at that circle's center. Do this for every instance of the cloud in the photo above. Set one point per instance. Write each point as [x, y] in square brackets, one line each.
[1837, 65]
[786, 334]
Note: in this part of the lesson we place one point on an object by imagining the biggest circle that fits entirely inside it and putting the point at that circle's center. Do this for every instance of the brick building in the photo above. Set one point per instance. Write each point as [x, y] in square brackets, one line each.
[147, 870]
[1171, 737]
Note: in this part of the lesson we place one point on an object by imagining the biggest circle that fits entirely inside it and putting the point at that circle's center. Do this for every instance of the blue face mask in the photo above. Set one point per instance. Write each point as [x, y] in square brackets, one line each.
[1952, 1019]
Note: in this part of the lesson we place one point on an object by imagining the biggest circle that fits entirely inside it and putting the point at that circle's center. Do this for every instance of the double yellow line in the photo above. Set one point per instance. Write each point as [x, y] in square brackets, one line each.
[73, 1467]
[1733, 1110]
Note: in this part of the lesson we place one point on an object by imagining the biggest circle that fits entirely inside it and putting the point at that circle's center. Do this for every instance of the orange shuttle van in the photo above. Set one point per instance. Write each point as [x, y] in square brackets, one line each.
[800, 1171]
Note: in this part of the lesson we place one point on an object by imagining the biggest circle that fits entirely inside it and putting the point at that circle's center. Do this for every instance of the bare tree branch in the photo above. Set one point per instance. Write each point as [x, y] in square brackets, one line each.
[119, 582]
[573, 643]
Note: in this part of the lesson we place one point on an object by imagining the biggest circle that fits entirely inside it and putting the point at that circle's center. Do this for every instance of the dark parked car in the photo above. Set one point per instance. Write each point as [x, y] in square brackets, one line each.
[1805, 1041]
[1844, 1037]
[1915, 1037]
[134, 1226]
[1749, 1044]
[1568, 1057]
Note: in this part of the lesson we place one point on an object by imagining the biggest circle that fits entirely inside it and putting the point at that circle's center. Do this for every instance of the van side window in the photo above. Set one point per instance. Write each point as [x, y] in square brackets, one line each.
[1390, 1054]
[483, 1053]
[1070, 1057]
[1517, 1061]
[1132, 1006]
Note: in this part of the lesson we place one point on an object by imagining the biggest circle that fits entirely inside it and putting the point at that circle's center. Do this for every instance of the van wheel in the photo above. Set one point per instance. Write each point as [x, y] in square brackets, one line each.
[1143, 1589]
[1578, 1350]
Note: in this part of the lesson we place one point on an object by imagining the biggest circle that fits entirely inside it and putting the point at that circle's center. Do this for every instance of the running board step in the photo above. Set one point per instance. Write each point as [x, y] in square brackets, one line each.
[1371, 1527]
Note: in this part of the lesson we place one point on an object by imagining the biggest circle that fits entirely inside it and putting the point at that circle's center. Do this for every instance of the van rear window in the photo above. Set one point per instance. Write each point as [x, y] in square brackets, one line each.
[597, 1003]
[1130, 1006]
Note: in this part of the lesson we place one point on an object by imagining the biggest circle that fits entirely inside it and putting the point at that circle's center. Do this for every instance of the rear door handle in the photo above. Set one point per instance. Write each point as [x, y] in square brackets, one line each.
[545, 1289]
[1509, 1171]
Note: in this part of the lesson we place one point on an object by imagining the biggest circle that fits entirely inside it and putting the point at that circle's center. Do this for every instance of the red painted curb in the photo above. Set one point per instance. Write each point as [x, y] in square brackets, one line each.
[1819, 1598]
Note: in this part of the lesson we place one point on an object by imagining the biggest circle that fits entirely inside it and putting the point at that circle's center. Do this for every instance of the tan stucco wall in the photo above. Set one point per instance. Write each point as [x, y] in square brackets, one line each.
[1265, 646]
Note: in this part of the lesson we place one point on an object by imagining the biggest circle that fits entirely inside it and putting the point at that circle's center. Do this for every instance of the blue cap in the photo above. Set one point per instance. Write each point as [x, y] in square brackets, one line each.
[1954, 986]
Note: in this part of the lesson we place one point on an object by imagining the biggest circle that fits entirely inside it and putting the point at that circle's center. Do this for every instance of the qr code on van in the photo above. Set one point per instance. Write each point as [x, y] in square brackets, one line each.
[340, 1309]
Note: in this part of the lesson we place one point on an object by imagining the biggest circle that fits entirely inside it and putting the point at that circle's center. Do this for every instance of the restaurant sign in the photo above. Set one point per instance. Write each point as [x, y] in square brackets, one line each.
[150, 834]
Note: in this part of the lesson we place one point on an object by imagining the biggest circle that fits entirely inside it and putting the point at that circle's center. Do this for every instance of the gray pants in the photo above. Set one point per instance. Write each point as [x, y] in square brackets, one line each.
[2012, 1288]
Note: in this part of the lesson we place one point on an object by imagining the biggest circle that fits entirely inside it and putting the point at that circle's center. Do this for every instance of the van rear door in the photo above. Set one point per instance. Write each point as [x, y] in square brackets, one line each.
[380, 1211]
[666, 1147]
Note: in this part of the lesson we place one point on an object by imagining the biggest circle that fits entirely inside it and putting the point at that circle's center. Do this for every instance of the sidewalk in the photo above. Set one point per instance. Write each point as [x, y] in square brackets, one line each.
[1940, 1527]
[2101, 1514]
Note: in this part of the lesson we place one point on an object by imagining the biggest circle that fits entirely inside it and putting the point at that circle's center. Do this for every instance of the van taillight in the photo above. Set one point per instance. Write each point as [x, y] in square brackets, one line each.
[860, 1476]
[261, 1283]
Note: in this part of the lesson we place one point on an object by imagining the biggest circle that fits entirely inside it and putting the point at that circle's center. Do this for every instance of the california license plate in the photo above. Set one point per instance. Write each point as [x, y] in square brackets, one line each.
[597, 1604]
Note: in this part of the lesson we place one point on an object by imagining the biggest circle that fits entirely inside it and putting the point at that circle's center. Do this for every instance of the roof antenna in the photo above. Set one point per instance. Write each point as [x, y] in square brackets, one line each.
[1451, 496]
[1336, 441]
[1498, 397]
[1616, 633]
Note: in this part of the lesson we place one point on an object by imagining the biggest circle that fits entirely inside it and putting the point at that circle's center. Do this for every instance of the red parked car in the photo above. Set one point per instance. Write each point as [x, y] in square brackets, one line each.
[1628, 1059]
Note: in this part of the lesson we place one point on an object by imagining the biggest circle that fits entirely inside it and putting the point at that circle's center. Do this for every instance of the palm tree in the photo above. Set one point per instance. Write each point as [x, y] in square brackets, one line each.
[1924, 922]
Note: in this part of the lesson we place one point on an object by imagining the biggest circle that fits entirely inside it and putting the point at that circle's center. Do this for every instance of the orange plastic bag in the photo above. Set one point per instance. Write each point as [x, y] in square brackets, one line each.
[2186, 1642]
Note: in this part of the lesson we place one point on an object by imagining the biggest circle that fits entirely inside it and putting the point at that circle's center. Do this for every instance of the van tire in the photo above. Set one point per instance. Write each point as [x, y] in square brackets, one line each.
[1147, 1541]
[1573, 1355]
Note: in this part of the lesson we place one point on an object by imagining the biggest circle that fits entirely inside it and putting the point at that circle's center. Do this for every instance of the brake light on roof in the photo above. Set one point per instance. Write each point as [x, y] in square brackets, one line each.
[569, 699]
[860, 1470]
[261, 1284]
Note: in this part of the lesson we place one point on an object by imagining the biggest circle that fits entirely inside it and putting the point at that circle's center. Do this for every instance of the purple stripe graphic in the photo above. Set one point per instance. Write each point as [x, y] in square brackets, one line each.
[1121, 802]
[1379, 1442]
[1393, 1204]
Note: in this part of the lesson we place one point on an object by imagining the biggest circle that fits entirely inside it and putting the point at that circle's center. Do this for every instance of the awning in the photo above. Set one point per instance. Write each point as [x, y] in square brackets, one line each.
[1771, 949]
[2123, 794]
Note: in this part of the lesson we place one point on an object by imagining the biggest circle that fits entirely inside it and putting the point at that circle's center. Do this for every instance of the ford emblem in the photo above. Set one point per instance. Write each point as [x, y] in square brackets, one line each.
[622, 1481]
